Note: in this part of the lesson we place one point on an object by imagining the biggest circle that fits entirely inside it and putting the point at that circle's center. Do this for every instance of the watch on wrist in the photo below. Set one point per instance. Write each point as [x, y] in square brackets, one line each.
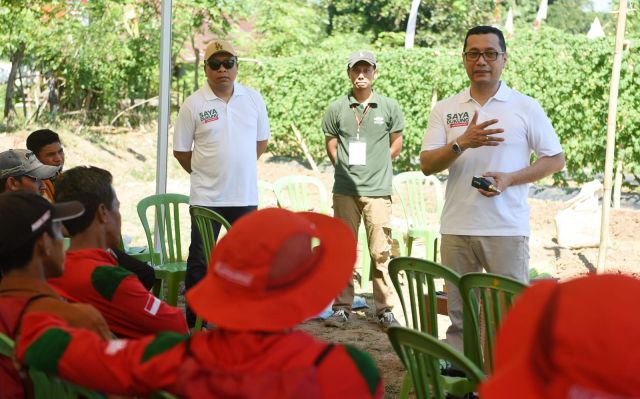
[455, 147]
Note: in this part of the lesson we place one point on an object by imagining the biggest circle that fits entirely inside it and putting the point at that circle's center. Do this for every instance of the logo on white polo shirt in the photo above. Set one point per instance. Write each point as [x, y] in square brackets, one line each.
[208, 116]
[459, 119]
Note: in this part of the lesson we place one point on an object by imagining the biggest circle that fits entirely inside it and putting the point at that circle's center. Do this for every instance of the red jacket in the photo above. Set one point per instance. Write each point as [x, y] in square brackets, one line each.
[215, 364]
[21, 295]
[93, 276]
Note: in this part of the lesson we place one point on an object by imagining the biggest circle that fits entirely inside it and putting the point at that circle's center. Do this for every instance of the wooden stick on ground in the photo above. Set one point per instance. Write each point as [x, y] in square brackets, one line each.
[303, 145]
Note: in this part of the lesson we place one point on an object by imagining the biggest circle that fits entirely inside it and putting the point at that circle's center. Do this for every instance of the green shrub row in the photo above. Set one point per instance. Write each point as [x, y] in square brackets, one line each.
[568, 75]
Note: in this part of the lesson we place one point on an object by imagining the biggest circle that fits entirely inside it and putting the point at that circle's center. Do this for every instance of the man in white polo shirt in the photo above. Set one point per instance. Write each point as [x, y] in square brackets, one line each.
[220, 132]
[487, 130]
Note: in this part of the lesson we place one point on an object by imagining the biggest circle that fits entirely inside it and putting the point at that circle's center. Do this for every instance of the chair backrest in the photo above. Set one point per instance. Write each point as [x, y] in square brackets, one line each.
[420, 276]
[301, 193]
[266, 196]
[203, 218]
[420, 354]
[496, 295]
[421, 198]
[167, 215]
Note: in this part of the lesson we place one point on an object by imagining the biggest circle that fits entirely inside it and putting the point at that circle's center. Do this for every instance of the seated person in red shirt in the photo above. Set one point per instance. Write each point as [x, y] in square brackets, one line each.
[30, 251]
[92, 274]
[264, 278]
[572, 340]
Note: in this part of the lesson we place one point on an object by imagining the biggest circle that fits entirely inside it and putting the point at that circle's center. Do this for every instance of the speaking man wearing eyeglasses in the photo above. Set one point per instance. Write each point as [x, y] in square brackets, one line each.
[220, 132]
[488, 130]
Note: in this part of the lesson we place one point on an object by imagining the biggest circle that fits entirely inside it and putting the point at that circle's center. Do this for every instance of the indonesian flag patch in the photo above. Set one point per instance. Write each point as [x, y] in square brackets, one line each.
[152, 306]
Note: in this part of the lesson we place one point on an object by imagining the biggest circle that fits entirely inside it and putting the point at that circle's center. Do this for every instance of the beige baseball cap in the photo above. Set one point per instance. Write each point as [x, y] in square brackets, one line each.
[218, 46]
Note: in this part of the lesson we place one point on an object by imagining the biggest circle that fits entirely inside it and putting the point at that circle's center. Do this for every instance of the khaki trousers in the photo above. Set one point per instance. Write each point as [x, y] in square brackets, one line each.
[376, 212]
[507, 256]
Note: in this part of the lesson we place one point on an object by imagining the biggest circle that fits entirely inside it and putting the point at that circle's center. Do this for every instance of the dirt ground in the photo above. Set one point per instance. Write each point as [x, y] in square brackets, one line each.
[130, 156]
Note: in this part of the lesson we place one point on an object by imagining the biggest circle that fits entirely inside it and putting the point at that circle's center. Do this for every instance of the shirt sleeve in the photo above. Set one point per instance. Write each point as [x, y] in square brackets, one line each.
[348, 372]
[397, 118]
[264, 132]
[184, 129]
[124, 367]
[330, 125]
[141, 313]
[543, 139]
[435, 136]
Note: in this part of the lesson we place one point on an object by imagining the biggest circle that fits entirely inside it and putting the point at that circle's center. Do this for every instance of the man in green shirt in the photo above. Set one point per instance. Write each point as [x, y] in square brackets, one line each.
[363, 132]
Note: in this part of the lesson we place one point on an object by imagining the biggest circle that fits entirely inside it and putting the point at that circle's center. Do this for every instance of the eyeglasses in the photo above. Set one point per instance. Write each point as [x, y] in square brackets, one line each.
[215, 65]
[488, 55]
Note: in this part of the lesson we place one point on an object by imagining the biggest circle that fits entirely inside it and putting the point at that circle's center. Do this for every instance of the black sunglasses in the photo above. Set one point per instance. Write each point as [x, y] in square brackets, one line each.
[215, 65]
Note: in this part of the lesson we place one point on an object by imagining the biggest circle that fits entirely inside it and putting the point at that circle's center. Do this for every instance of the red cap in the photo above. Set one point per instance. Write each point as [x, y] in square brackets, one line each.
[265, 276]
[579, 339]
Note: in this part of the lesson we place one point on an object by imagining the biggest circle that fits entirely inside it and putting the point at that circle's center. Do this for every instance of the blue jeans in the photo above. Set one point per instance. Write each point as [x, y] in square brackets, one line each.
[196, 263]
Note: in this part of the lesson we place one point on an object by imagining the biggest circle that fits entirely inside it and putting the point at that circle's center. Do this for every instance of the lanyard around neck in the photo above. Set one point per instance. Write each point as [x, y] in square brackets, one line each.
[364, 114]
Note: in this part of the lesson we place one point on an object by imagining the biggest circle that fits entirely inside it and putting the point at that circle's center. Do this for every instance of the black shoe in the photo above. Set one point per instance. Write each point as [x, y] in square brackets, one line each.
[450, 370]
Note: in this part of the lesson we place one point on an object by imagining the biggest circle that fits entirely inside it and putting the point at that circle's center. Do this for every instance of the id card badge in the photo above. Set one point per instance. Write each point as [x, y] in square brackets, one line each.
[357, 151]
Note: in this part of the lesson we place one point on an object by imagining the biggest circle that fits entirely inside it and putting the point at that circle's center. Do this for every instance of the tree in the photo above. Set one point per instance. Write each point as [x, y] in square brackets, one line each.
[17, 20]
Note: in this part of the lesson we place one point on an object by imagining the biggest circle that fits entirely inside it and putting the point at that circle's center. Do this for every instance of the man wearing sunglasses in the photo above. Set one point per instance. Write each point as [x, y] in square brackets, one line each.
[487, 130]
[21, 170]
[220, 132]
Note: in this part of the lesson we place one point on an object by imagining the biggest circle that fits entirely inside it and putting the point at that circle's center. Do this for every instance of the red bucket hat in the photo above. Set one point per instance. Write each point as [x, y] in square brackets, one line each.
[575, 340]
[265, 276]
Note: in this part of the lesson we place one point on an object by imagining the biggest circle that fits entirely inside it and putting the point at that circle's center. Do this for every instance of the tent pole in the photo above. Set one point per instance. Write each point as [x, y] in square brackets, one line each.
[164, 106]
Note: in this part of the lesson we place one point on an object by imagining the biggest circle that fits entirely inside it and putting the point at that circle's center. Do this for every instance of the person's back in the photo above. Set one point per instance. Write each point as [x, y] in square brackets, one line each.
[271, 366]
[264, 279]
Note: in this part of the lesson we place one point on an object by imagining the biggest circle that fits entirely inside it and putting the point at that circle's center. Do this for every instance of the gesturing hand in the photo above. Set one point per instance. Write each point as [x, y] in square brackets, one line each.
[477, 135]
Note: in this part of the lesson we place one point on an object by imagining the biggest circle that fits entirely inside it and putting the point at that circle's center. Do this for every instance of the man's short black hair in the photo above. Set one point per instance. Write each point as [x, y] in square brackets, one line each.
[41, 138]
[89, 185]
[21, 256]
[484, 30]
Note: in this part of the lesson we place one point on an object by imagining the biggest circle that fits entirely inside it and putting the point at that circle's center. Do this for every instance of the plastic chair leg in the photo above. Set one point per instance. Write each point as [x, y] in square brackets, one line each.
[172, 289]
[430, 244]
[157, 288]
[198, 326]
[409, 245]
[406, 386]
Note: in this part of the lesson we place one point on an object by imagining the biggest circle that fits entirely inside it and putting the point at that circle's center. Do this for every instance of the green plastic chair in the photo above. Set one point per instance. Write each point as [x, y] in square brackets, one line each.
[422, 200]
[204, 219]
[419, 276]
[301, 194]
[172, 267]
[420, 353]
[496, 294]
[266, 195]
